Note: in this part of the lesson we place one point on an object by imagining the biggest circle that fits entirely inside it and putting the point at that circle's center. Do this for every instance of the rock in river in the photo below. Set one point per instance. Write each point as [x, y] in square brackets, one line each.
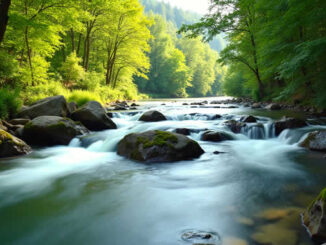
[51, 106]
[215, 136]
[93, 116]
[273, 107]
[248, 119]
[152, 116]
[52, 130]
[315, 141]
[235, 126]
[158, 146]
[11, 146]
[288, 123]
[314, 218]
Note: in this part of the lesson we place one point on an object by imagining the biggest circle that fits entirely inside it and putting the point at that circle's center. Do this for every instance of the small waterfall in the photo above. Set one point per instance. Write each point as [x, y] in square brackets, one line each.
[256, 131]
[269, 130]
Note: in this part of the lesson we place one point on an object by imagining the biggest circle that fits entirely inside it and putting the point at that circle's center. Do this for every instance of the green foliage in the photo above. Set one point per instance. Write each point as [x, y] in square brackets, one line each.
[279, 47]
[10, 102]
[234, 84]
[33, 93]
[72, 72]
[179, 67]
[9, 69]
[81, 97]
[179, 17]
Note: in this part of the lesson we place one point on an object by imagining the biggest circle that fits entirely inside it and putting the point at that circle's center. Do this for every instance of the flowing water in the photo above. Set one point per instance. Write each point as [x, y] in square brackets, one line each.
[85, 193]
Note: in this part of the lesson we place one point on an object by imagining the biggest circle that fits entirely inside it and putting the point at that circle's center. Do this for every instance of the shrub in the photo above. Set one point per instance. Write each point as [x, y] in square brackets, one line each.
[34, 93]
[10, 102]
[71, 70]
[81, 97]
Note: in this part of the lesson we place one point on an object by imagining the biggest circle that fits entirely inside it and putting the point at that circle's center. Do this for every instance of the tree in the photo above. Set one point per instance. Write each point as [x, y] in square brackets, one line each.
[4, 9]
[71, 70]
[238, 19]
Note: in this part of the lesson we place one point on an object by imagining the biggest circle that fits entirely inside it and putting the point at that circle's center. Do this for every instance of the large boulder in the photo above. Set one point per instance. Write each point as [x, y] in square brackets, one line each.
[52, 130]
[51, 106]
[315, 141]
[314, 218]
[215, 136]
[11, 146]
[288, 123]
[152, 116]
[235, 126]
[158, 146]
[93, 116]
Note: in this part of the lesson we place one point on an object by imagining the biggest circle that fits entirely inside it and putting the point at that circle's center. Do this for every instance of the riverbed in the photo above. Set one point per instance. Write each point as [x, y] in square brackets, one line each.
[251, 193]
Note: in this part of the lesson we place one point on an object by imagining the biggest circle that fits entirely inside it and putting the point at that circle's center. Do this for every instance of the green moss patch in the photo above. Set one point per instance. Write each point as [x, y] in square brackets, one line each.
[5, 136]
[320, 197]
[161, 138]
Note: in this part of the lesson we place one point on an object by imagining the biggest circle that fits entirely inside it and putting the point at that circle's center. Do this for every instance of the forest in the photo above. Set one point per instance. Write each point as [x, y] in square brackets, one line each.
[100, 50]
[276, 49]
[107, 50]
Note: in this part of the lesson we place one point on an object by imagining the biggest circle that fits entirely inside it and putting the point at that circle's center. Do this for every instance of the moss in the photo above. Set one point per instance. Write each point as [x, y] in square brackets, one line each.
[320, 197]
[28, 125]
[311, 137]
[58, 125]
[5, 136]
[161, 138]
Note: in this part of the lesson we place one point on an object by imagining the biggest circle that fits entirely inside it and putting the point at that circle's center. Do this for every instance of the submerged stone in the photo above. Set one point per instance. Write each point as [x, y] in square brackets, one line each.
[283, 229]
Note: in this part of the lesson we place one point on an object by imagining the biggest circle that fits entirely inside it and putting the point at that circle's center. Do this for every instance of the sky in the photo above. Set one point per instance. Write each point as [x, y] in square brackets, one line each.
[199, 6]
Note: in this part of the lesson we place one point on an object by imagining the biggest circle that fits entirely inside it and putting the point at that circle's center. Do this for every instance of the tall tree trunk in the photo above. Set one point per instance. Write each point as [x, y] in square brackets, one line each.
[63, 53]
[88, 46]
[257, 72]
[29, 54]
[72, 34]
[116, 77]
[79, 41]
[4, 9]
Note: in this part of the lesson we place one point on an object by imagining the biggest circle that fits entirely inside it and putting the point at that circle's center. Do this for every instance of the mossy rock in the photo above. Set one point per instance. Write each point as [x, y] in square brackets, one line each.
[158, 146]
[52, 130]
[314, 218]
[12, 146]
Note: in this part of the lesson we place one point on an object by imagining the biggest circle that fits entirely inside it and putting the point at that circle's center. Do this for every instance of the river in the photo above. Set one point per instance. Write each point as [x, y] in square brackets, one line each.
[85, 193]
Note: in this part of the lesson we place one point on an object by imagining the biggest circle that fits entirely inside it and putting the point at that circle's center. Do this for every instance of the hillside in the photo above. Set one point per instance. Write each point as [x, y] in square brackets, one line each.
[178, 17]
